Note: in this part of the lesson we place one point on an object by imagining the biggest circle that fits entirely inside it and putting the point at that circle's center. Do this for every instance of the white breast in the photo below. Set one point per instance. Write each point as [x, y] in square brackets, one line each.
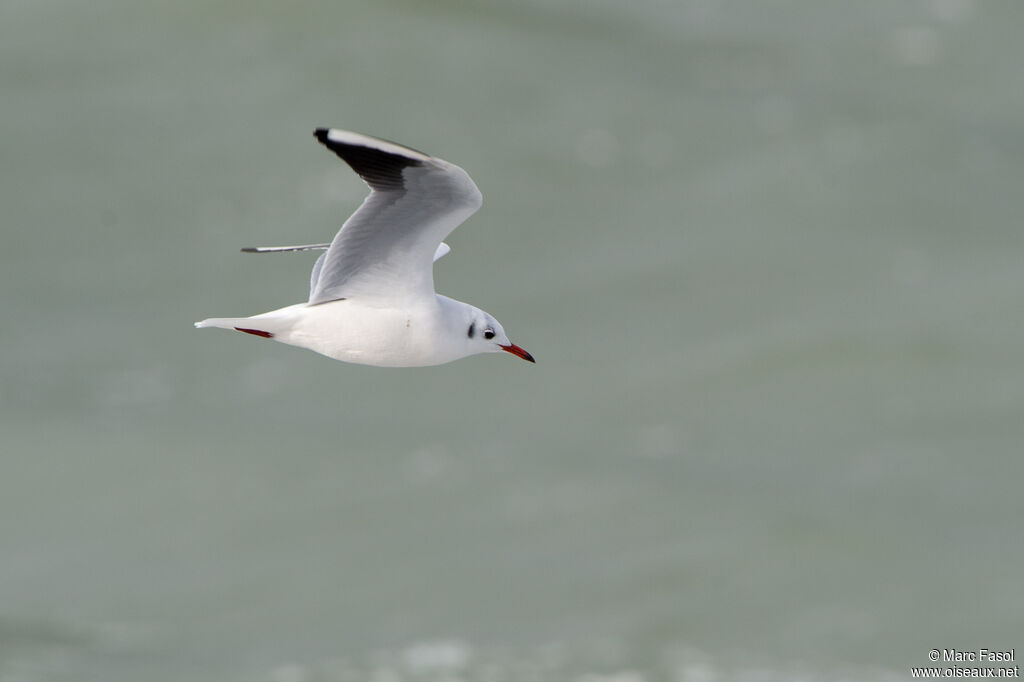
[387, 337]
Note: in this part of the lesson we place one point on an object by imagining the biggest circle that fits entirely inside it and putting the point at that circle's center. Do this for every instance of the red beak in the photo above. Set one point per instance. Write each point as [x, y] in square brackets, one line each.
[518, 352]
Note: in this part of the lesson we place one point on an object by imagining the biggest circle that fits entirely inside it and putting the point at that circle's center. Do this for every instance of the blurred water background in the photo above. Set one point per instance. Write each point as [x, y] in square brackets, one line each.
[767, 254]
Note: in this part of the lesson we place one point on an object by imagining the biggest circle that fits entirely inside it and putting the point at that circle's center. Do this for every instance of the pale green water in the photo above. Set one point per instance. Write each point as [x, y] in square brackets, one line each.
[768, 256]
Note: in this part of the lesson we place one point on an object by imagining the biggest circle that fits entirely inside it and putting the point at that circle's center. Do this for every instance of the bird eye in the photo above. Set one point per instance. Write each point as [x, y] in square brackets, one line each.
[488, 333]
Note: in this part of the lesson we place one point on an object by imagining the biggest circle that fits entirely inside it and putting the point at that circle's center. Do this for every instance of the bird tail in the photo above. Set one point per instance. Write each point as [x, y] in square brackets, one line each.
[222, 322]
[243, 324]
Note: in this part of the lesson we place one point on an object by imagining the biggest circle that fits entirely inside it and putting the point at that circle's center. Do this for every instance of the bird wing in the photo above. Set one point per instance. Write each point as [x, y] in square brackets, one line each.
[442, 250]
[386, 249]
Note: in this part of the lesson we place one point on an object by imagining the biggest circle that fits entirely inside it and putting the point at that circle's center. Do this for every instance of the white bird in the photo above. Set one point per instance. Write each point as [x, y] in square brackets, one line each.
[371, 294]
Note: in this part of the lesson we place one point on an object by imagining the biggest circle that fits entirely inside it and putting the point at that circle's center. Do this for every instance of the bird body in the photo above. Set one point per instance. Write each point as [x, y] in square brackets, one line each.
[412, 336]
[372, 298]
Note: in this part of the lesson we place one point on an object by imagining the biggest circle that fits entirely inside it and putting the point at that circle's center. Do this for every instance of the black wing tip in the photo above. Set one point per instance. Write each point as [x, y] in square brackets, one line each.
[378, 165]
[323, 135]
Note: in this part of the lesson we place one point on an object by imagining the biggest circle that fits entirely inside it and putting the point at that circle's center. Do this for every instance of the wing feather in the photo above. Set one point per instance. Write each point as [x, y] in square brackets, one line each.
[387, 248]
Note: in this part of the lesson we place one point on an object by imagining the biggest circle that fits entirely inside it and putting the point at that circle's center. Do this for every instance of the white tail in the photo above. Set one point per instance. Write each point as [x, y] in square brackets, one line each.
[222, 322]
[272, 325]
[241, 324]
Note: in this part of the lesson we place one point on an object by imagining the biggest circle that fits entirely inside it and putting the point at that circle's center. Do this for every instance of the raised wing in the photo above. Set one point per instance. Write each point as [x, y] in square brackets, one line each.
[386, 249]
[442, 250]
[284, 249]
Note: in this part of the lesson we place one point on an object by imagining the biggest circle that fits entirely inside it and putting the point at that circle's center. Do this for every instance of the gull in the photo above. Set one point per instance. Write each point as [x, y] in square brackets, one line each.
[371, 293]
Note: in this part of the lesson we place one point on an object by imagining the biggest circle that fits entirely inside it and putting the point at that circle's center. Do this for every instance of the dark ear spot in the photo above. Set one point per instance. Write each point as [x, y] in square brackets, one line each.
[472, 329]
